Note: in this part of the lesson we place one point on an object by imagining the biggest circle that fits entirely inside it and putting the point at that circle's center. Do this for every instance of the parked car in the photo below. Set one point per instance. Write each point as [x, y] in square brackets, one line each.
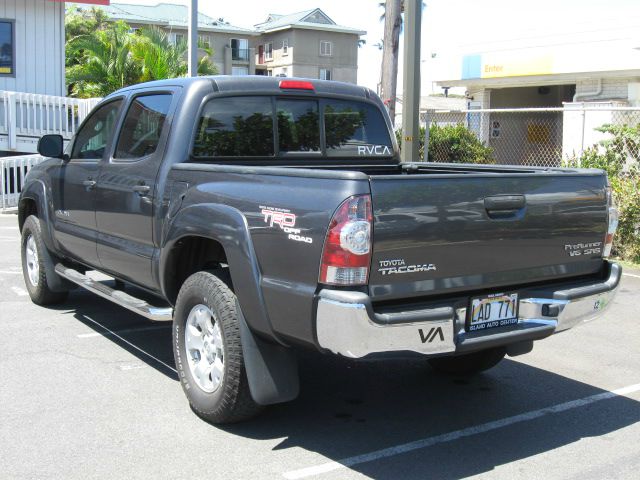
[271, 215]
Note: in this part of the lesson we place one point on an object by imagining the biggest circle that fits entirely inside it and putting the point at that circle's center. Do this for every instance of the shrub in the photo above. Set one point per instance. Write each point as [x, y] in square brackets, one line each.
[452, 144]
[619, 157]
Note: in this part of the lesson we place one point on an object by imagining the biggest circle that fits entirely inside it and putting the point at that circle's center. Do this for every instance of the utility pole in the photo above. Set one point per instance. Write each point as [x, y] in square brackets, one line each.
[411, 82]
[192, 68]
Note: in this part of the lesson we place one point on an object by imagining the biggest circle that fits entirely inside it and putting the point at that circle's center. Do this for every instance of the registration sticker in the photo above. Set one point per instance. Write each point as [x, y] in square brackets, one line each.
[491, 311]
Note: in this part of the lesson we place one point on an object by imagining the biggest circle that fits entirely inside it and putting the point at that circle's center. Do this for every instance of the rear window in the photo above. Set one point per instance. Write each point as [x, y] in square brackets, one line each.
[355, 129]
[235, 127]
[244, 127]
[298, 126]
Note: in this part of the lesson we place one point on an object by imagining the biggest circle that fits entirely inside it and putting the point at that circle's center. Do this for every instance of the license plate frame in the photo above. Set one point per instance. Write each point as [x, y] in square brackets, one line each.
[485, 318]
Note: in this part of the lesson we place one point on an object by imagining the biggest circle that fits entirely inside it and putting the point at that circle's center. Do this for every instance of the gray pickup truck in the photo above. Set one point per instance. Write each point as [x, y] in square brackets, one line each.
[269, 215]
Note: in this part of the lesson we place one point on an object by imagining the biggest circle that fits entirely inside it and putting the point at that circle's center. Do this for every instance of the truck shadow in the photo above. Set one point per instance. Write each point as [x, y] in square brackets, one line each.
[349, 408]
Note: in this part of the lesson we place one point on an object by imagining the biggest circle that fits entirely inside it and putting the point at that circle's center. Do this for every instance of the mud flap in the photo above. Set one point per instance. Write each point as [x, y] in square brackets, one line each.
[272, 370]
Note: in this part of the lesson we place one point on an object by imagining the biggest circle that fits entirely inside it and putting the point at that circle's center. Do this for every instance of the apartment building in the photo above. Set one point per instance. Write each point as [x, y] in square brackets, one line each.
[307, 44]
[304, 44]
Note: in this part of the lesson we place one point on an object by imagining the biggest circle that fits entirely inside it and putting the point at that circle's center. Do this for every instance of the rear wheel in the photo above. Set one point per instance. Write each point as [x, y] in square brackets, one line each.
[468, 364]
[34, 267]
[208, 350]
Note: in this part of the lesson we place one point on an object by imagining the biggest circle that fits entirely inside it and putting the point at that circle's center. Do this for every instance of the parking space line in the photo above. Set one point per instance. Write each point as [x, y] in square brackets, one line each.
[19, 291]
[631, 275]
[452, 436]
[130, 344]
[12, 272]
[126, 330]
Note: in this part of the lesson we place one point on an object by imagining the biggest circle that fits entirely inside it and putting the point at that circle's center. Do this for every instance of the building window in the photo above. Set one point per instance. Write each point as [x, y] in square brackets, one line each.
[179, 38]
[269, 73]
[204, 41]
[326, 48]
[268, 51]
[240, 49]
[7, 48]
[325, 74]
[239, 71]
[285, 46]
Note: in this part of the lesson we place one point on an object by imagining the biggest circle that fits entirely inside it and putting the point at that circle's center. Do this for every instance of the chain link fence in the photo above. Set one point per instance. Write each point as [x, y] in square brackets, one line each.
[535, 136]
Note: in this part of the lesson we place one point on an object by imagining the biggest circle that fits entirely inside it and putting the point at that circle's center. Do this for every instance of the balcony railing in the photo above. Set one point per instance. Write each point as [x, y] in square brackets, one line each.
[240, 54]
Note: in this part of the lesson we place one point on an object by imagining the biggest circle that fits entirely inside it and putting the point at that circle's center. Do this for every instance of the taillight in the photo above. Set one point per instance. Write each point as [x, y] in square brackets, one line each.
[612, 224]
[347, 249]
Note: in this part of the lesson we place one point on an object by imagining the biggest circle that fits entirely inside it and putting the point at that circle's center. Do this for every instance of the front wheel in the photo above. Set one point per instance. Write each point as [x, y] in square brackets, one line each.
[468, 364]
[208, 351]
[34, 266]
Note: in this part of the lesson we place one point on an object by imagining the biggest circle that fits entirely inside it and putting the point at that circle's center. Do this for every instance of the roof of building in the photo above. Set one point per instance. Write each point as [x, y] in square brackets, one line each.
[314, 19]
[169, 14]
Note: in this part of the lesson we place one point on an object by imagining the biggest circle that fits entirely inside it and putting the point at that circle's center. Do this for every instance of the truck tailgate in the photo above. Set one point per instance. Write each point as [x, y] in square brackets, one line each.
[438, 234]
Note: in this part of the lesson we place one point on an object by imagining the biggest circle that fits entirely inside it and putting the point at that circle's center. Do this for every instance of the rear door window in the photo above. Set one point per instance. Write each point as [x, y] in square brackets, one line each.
[235, 127]
[355, 129]
[140, 133]
[298, 125]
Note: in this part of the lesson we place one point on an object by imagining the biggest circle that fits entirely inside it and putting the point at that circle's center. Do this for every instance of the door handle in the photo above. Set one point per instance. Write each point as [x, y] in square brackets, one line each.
[504, 202]
[89, 183]
[505, 206]
[142, 190]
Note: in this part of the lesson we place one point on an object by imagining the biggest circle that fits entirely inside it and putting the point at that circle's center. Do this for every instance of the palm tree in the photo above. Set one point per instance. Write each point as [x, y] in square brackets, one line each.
[392, 17]
[159, 58]
[104, 61]
[389, 69]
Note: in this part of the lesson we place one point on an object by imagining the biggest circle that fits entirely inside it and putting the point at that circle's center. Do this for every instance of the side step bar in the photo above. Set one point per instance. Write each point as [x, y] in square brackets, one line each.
[119, 297]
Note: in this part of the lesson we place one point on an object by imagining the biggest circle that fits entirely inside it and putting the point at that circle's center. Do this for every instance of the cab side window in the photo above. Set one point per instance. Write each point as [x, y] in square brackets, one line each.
[93, 137]
[142, 127]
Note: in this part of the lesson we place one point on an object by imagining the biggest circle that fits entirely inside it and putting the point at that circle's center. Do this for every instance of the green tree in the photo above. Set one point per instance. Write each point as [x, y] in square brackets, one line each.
[619, 156]
[104, 61]
[102, 56]
[159, 58]
[451, 144]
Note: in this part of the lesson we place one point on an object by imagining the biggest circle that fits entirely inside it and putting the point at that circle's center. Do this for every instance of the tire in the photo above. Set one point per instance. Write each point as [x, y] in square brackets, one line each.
[208, 351]
[34, 264]
[470, 363]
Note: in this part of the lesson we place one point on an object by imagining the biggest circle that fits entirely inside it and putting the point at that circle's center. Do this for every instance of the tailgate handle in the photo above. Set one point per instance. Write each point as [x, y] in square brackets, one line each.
[504, 202]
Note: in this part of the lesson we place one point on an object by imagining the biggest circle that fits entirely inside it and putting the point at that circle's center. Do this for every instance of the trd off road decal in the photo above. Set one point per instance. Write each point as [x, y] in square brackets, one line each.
[286, 221]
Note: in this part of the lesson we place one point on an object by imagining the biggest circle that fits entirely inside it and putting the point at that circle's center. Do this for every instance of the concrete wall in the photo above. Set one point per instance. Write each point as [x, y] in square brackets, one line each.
[343, 61]
[220, 43]
[531, 97]
[279, 60]
[39, 46]
[612, 88]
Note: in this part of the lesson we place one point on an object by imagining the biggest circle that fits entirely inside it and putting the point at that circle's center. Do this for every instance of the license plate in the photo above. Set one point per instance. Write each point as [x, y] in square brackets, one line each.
[495, 310]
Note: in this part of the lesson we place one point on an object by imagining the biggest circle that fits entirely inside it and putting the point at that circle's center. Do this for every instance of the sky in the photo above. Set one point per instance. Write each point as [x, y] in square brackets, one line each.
[452, 27]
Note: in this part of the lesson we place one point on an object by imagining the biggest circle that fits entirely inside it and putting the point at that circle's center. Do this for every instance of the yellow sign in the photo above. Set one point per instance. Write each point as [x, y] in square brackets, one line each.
[500, 65]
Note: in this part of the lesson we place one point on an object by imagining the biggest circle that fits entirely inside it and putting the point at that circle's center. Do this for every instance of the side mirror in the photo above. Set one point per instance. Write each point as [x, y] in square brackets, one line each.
[52, 146]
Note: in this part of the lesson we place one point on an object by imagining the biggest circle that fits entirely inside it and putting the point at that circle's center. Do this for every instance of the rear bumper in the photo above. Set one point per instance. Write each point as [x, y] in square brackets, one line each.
[346, 323]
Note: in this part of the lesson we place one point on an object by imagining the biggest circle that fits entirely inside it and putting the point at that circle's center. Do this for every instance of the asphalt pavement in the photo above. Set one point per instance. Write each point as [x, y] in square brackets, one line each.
[89, 390]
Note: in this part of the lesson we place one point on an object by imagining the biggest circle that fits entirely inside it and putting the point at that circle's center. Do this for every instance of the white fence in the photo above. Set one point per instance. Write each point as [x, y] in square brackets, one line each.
[13, 171]
[25, 117]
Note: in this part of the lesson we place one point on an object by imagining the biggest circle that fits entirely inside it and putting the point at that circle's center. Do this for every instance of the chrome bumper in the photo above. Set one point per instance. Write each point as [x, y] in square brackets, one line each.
[347, 325]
